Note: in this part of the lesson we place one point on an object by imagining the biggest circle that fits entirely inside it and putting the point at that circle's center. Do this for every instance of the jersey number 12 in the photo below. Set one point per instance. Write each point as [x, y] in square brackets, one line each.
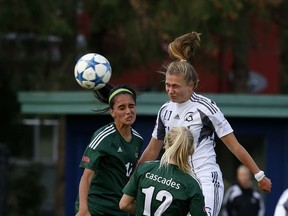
[160, 196]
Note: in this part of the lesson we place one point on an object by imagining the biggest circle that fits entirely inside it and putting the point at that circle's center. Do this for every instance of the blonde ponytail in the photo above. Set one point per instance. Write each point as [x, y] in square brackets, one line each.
[178, 146]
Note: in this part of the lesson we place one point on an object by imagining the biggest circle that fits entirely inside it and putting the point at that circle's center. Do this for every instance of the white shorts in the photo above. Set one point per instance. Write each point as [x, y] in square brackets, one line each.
[213, 191]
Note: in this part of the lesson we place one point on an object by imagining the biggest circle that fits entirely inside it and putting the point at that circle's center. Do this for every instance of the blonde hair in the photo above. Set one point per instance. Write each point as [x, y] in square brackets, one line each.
[178, 145]
[181, 51]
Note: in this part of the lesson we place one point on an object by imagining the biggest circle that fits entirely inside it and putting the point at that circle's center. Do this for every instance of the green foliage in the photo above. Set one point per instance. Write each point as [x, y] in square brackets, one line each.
[139, 29]
[129, 33]
[31, 16]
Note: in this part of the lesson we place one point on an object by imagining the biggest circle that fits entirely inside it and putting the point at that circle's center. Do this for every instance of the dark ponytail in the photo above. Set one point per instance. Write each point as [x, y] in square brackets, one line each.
[107, 94]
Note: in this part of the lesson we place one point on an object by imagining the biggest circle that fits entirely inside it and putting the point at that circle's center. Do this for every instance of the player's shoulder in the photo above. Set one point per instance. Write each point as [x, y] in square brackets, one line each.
[137, 134]
[233, 189]
[165, 105]
[190, 182]
[193, 179]
[257, 194]
[103, 134]
[151, 163]
[105, 130]
[204, 102]
[148, 165]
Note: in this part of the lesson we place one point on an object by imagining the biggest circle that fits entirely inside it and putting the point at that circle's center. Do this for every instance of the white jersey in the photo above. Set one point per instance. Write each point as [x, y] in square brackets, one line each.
[204, 119]
[282, 205]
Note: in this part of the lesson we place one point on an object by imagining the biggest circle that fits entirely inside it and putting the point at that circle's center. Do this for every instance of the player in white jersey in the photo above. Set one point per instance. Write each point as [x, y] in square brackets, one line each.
[203, 118]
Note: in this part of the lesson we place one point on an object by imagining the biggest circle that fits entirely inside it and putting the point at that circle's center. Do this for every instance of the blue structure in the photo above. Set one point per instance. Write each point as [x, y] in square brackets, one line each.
[260, 122]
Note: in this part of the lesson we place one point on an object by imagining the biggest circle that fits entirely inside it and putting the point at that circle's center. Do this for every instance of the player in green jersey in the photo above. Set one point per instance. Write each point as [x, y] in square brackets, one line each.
[110, 156]
[166, 187]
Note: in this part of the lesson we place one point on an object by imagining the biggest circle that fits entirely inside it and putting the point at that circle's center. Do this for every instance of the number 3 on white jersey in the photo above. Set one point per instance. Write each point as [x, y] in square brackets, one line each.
[160, 197]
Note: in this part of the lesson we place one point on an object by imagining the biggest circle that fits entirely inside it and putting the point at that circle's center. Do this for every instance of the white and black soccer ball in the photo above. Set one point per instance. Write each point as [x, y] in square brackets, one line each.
[92, 71]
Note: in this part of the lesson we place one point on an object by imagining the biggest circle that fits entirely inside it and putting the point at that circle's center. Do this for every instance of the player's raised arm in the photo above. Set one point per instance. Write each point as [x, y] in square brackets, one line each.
[245, 158]
[152, 151]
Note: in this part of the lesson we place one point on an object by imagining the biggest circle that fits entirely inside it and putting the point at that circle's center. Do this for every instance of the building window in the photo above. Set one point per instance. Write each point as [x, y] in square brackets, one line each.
[44, 137]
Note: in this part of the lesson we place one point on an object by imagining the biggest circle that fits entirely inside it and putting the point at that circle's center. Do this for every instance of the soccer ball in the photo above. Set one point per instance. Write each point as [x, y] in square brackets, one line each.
[92, 71]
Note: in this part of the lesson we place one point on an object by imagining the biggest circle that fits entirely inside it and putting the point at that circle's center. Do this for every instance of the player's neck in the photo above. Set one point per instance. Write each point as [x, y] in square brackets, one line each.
[172, 161]
[125, 132]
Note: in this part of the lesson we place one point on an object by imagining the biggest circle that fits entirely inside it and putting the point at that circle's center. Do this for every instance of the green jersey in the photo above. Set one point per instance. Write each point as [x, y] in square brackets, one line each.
[165, 191]
[113, 159]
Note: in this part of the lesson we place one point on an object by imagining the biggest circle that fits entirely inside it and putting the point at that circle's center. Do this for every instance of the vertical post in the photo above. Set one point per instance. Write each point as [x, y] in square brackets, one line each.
[4, 167]
[60, 170]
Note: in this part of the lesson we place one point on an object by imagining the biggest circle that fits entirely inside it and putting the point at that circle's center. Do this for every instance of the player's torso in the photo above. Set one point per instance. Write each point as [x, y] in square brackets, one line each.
[196, 117]
[164, 190]
[189, 114]
[183, 115]
[119, 156]
[114, 160]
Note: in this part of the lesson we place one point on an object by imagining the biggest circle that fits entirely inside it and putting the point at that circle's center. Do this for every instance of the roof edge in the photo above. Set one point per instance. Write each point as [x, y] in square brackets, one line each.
[148, 103]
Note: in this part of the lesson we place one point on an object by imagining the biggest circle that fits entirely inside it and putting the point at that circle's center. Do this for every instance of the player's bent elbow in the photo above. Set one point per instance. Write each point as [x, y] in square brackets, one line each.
[122, 205]
[127, 204]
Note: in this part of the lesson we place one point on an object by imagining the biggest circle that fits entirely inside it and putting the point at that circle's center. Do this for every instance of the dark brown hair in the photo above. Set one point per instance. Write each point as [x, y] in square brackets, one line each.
[104, 95]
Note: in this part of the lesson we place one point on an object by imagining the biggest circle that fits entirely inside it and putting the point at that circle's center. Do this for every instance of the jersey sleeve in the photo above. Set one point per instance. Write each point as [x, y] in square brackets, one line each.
[90, 159]
[93, 152]
[280, 207]
[197, 204]
[220, 123]
[159, 129]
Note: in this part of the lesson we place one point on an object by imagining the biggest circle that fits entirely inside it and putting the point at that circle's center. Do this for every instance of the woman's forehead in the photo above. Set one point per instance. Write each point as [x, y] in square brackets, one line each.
[174, 79]
[123, 97]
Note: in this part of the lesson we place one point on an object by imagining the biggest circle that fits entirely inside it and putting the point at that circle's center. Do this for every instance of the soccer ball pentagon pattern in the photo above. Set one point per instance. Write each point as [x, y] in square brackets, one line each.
[92, 71]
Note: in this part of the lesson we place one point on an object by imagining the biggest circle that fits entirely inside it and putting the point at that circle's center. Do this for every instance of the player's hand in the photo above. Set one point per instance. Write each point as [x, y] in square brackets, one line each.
[265, 184]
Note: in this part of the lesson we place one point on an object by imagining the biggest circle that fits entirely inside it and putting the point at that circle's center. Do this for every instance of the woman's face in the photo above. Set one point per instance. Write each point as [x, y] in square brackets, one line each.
[178, 89]
[244, 177]
[124, 109]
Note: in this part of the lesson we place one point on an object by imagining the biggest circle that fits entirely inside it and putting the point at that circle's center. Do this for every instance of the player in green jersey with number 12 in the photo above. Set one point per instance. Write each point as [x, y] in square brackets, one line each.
[166, 187]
